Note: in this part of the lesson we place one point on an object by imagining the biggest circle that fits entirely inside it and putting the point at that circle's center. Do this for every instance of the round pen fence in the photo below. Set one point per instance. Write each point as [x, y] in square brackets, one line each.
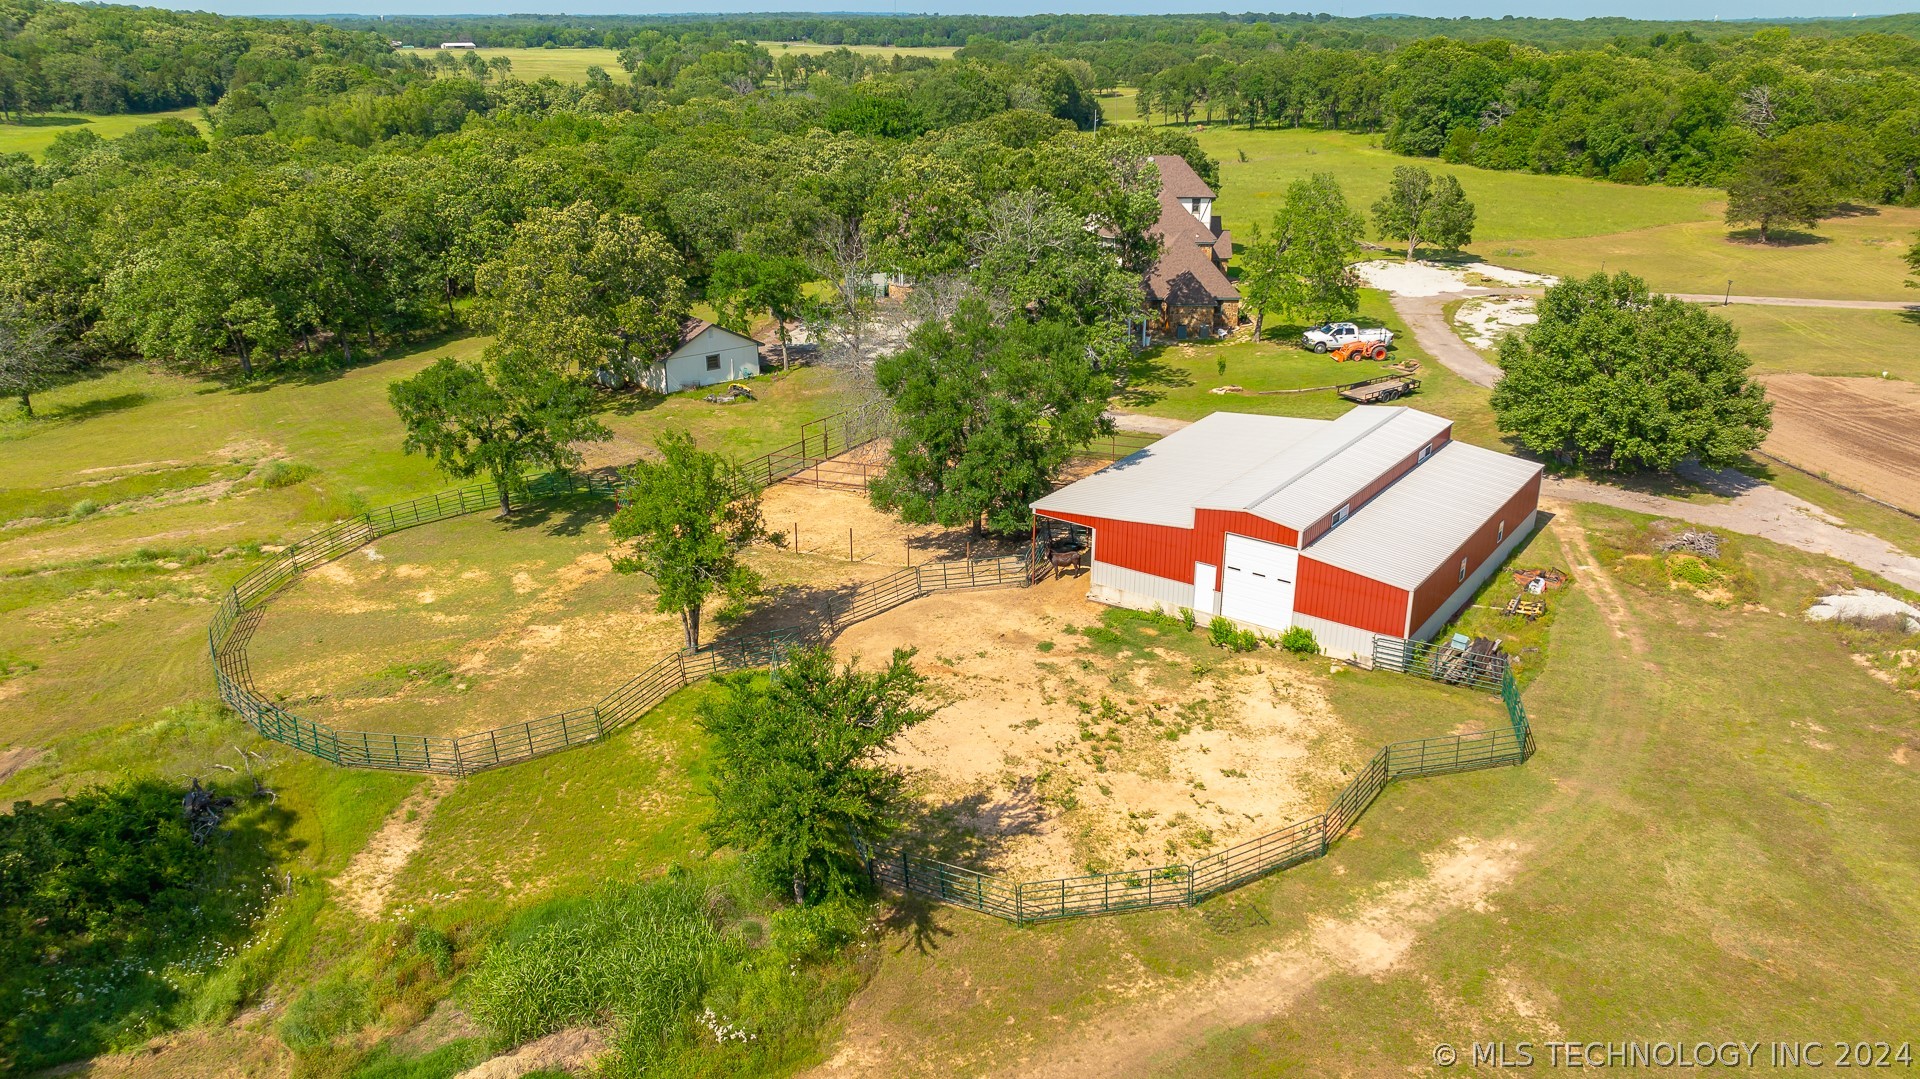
[240, 609]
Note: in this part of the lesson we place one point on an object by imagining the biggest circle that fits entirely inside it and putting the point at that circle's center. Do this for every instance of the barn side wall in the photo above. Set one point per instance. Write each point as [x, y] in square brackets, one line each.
[1340, 596]
[1118, 586]
[1439, 615]
[1336, 639]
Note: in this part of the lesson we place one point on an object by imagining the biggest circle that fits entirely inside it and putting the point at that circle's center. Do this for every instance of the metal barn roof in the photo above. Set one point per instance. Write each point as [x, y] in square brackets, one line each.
[1408, 530]
[1289, 471]
[1161, 484]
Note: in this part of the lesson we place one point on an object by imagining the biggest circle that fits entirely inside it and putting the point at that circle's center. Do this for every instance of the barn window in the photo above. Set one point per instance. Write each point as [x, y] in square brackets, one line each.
[1426, 451]
[1463, 569]
[1340, 516]
[713, 362]
[1502, 533]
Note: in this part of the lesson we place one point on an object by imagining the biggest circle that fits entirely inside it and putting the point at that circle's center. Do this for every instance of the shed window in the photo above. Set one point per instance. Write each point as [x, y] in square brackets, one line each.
[1463, 569]
[713, 362]
[1340, 516]
[1426, 451]
[1502, 533]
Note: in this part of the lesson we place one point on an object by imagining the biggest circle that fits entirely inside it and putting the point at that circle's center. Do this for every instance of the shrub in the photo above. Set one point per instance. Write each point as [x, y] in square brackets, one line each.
[1300, 641]
[86, 507]
[435, 947]
[1186, 618]
[1222, 633]
[280, 474]
[811, 934]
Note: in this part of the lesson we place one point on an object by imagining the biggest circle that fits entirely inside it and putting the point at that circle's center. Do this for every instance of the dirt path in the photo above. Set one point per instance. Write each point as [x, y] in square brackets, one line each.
[1756, 510]
[1606, 596]
[1370, 942]
[368, 879]
[1425, 317]
[1717, 299]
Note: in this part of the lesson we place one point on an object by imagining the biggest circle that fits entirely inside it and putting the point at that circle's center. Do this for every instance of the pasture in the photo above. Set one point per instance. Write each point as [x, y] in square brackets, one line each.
[32, 134]
[562, 65]
[1672, 236]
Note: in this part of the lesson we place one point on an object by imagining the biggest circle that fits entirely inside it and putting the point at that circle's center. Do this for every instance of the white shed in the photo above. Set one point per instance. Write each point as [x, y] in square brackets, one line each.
[707, 355]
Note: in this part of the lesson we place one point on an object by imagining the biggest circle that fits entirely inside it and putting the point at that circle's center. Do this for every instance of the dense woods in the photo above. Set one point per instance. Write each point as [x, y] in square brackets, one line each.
[343, 191]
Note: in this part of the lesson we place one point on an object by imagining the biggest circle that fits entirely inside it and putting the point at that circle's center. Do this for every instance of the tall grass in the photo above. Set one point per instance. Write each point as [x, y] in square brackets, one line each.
[636, 954]
[692, 977]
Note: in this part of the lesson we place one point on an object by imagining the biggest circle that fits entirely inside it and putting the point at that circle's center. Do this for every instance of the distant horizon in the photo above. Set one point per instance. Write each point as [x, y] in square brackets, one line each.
[1644, 10]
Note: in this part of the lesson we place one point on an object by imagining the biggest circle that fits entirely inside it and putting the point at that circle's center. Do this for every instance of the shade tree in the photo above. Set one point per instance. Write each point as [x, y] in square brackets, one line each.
[1418, 207]
[1619, 378]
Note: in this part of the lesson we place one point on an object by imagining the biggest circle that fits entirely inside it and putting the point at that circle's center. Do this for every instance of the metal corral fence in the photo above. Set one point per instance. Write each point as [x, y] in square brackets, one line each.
[1188, 883]
[239, 614]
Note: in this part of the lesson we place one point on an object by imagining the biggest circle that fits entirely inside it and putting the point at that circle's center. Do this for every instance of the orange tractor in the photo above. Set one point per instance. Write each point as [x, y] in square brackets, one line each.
[1358, 350]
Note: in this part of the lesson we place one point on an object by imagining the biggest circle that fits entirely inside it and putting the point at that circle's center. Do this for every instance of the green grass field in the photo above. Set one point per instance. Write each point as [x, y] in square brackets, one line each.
[1828, 341]
[1672, 236]
[34, 134]
[564, 65]
[1177, 378]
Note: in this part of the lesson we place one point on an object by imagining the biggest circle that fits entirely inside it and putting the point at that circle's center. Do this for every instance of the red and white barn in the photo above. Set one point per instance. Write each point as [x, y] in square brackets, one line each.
[1374, 523]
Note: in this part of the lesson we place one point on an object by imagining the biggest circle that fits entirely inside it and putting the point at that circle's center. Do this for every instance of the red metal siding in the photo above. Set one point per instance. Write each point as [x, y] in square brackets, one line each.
[1346, 597]
[1157, 549]
[1435, 589]
[1322, 526]
[1210, 528]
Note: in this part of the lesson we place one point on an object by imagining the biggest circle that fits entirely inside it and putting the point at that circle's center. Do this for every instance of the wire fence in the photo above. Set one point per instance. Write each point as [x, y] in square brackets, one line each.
[1187, 883]
[239, 611]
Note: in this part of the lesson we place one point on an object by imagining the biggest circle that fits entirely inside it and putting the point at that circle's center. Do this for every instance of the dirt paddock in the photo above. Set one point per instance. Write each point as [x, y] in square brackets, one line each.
[1057, 752]
[1859, 431]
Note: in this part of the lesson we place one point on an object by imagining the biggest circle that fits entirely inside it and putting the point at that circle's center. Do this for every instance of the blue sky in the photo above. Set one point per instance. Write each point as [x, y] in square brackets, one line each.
[1641, 9]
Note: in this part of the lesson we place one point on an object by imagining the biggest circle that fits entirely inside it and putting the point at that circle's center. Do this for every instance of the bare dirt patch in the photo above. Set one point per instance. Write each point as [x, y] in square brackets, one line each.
[368, 879]
[16, 758]
[1859, 431]
[1057, 753]
[573, 1051]
[1483, 320]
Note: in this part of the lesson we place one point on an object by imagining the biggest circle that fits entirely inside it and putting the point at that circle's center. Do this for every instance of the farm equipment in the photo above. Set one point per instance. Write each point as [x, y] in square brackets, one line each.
[1358, 350]
[1375, 391]
[1536, 581]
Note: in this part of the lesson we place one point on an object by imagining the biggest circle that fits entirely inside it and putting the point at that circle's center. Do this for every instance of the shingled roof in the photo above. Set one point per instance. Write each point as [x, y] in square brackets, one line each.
[1178, 179]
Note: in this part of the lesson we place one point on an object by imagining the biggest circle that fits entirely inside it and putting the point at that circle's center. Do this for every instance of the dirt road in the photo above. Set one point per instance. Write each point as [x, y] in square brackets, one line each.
[1425, 317]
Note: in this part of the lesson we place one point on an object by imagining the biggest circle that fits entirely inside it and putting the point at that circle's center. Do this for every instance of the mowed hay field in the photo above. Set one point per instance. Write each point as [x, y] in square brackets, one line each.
[1711, 843]
[563, 65]
[33, 134]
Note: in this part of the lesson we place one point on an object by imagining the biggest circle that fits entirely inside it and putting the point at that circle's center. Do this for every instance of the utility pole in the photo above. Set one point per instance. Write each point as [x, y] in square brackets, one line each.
[1728, 302]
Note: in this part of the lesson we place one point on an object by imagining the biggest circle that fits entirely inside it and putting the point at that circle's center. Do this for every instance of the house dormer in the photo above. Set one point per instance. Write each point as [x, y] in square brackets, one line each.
[1201, 207]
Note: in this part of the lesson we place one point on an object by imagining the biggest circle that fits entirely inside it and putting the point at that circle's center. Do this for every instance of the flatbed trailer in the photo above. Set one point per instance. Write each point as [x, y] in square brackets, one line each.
[1375, 391]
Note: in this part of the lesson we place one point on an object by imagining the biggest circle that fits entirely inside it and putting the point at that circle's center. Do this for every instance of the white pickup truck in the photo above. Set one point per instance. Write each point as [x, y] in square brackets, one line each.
[1334, 334]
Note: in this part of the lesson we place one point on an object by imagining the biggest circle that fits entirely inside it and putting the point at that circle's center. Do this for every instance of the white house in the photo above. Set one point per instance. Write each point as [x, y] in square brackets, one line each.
[707, 355]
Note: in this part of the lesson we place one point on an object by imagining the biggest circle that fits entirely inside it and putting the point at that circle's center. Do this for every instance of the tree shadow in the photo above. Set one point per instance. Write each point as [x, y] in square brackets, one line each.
[974, 829]
[913, 917]
[47, 121]
[1854, 209]
[569, 516]
[630, 402]
[1776, 238]
[1149, 377]
[99, 406]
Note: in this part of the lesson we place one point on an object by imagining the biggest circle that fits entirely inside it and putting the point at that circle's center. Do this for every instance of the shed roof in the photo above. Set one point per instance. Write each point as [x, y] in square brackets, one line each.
[1289, 471]
[692, 328]
[1450, 497]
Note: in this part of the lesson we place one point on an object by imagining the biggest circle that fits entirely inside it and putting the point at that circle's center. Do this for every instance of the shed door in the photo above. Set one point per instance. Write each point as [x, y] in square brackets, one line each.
[1257, 587]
